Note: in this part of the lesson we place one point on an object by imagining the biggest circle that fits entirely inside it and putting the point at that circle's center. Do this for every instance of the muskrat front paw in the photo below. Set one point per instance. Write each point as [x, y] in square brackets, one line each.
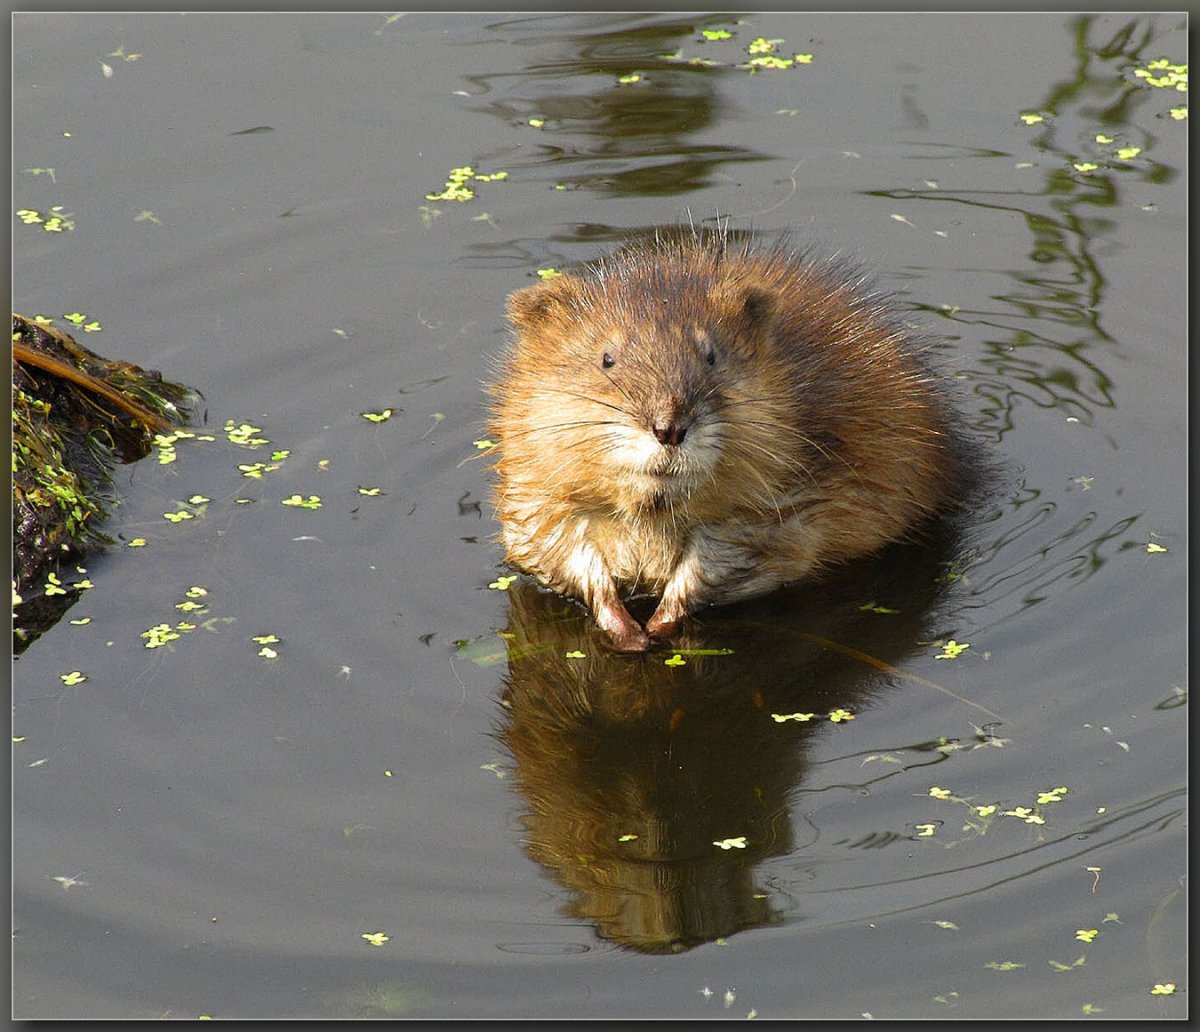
[664, 623]
[624, 633]
[636, 640]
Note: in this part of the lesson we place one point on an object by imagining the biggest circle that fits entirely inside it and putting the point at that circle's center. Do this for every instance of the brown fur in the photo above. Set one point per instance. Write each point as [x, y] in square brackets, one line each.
[706, 423]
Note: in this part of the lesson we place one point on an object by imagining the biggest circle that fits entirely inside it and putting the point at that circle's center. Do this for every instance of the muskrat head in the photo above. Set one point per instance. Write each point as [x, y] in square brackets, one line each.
[631, 378]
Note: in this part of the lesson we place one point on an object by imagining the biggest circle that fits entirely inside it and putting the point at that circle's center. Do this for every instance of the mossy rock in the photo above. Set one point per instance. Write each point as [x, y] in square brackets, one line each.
[75, 415]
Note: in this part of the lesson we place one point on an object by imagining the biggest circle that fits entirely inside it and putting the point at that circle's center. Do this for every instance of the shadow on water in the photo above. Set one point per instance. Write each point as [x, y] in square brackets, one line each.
[1061, 364]
[615, 142]
[652, 789]
[1047, 344]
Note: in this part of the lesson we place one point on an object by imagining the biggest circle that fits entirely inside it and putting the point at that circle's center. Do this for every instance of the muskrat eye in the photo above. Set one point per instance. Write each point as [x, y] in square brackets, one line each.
[607, 362]
[710, 357]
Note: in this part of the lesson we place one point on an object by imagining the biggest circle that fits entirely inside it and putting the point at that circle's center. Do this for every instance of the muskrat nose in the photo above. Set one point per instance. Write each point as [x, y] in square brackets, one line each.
[672, 433]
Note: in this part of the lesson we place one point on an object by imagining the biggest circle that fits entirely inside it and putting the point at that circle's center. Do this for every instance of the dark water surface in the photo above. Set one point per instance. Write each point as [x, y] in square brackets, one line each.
[201, 829]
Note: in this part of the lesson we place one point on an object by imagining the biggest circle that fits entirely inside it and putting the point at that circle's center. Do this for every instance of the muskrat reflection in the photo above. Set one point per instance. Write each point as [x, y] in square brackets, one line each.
[631, 770]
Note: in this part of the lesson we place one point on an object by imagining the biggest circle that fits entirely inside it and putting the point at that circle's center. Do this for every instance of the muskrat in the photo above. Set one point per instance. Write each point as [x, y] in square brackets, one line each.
[707, 421]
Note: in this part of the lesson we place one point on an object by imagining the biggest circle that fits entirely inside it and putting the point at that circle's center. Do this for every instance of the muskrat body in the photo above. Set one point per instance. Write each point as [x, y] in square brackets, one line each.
[705, 422]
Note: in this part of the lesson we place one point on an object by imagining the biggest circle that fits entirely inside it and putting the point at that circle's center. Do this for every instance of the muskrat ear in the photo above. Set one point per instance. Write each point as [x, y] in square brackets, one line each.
[531, 307]
[758, 305]
[748, 308]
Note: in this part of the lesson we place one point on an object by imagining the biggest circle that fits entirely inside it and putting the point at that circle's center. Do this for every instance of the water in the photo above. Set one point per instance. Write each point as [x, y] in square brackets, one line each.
[199, 829]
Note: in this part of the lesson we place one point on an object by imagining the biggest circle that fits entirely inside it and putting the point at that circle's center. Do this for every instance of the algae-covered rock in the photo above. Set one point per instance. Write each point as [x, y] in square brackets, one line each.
[75, 414]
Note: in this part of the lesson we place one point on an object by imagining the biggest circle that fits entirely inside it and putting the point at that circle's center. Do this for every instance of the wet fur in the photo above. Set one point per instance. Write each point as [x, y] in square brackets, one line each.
[812, 431]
